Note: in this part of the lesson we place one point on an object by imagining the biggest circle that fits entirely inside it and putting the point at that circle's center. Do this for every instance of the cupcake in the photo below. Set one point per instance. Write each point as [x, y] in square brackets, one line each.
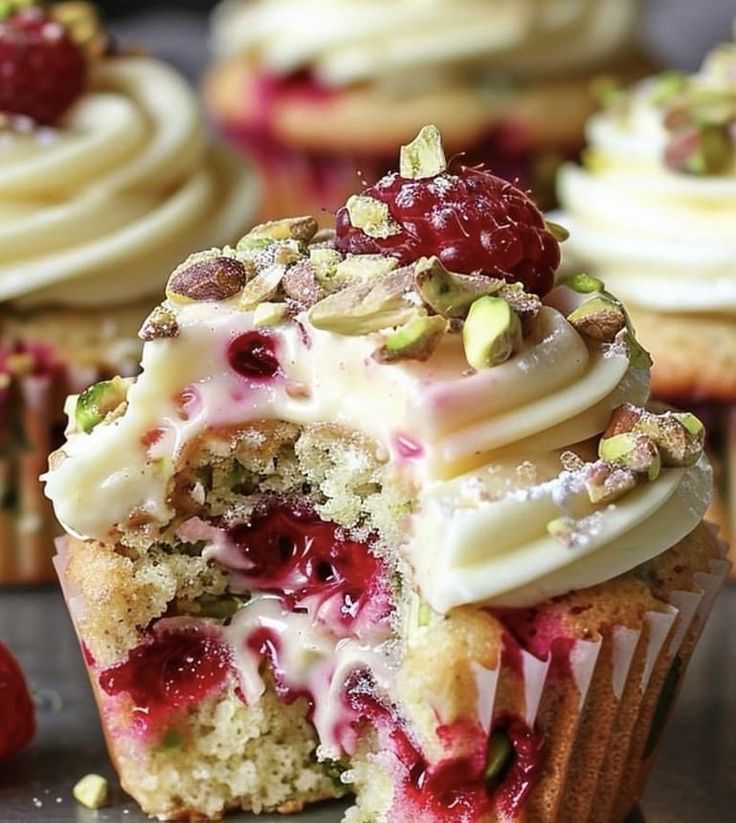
[651, 212]
[106, 180]
[318, 92]
[384, 514]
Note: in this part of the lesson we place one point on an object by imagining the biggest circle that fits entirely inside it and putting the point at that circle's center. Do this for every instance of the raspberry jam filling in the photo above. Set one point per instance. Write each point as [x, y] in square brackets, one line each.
[253, 355]
[176, 670]
[456, 785]
[307, 561]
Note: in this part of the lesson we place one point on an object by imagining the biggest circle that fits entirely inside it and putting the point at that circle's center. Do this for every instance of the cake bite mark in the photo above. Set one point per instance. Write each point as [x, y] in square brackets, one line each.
[176, 669]
[471, 220]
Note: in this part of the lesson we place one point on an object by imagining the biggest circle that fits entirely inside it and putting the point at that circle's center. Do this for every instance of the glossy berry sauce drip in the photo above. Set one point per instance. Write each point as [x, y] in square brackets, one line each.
[453, 788]
[298, 556]
[175, 670]
[253, 355]
[472, 220]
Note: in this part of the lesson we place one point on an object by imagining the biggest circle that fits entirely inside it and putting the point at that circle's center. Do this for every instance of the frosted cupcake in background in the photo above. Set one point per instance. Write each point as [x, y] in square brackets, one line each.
[653, 212]
[105, 178]
[318, 91]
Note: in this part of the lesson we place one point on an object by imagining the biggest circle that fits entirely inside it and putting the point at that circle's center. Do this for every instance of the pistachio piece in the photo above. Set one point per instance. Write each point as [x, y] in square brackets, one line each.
[417, 340]
[424, 156]
[560, 233]
[325, 263]
[700, 150]
[491, 333]
[500, 752]
[160, 323]
[679, 437]
[583, 283]
[571, 462]
[606, 482]
[561, 528]
[204, 277]
[269, 314]
[367, 307]
[92, 791]
[600, 318]
[360, 268]
[633, 451]
[638, 355]
[262, 287]
[301, 229]
[371, 216]
[96, 402]
[525, 305]
[300, 284]
[448, 294]
[668, 85]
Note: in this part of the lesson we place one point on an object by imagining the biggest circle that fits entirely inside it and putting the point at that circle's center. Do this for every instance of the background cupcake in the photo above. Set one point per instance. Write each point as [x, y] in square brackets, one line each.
[652, 211]
[317, 91]
[105, 177]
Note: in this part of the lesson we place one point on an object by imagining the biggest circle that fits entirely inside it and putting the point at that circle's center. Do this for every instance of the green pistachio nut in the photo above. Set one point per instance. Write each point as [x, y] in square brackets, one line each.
[262, 287]
[160, 323]
[367, 307]
[492, 332]
[667, 85]
[701, 150]
[371, 216]
[360, 268]
[301, 229]
[92, 791]
[96, 402]
[325, 262]
[424, 156]
[583, 283]
[631, 450]
[449, 294]
[605, 483]
[600, 318]
[416, 340]
[525, 305]
[206, 277]
[500, 752]
[269, 314]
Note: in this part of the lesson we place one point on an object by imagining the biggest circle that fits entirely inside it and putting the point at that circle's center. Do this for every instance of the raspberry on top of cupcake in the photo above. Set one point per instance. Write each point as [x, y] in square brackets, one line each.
[104, 164]
[352, 473]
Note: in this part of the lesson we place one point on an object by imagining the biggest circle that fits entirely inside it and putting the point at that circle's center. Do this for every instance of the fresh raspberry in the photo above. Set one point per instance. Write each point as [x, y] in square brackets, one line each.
[17, 717]
[472, 220]
[42, 70]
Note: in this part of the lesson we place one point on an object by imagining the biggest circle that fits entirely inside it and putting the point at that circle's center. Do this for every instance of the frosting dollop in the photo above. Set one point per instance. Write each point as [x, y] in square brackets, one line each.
[654, 205]
[344, 42]
[94, 210]
[503, 514]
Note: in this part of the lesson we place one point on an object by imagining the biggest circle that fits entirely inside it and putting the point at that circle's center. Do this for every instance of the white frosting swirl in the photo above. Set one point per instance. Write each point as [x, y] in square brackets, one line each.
[484, 451]
[661, 239]
[349, 41]
[93, 212]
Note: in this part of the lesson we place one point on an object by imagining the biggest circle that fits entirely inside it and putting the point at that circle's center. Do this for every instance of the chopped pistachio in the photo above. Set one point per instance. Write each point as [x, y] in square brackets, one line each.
[560, 528]
[448, 294]
[325, 264]
[159, 324]
[491, 333]
[263, 286]
[417, 340]
[92, 791]
[371, 216]
[634, 451]
[255, 244]
[96, 402]
[700, 150]
[560, 233]
[606, 482]
[667, 85]
[424, 156]
[300, 284]
[583, 283]
[690, 422]
[205, 277]
[269, 314]
[301, 229]
[366, 307]
[360, 268]
[500, 752]
[525, 305]
[600, 318]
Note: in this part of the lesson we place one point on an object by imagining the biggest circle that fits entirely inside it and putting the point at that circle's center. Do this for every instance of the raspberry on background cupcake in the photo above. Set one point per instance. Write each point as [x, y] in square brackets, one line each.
[106, 180]
[367, 523]
[318, 92]
[652, 211]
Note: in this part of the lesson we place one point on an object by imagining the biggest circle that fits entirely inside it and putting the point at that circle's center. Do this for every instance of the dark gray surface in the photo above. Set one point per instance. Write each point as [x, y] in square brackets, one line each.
[695, 779]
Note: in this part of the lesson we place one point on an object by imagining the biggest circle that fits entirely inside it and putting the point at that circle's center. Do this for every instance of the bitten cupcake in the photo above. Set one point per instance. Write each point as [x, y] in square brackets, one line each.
[385, 514]
[106, 180]
[318, 91]
[652, 211]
